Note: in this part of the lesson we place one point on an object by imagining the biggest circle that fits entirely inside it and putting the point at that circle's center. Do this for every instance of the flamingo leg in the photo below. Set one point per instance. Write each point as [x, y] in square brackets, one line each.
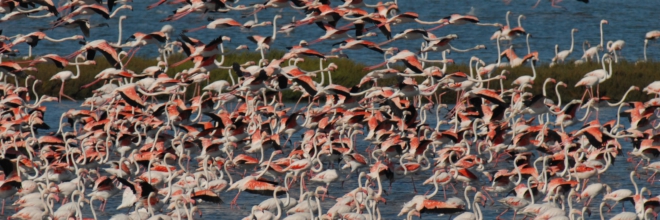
[413, 183]
[62, 93]
[506, 210]
[489, 197]
[233, 202]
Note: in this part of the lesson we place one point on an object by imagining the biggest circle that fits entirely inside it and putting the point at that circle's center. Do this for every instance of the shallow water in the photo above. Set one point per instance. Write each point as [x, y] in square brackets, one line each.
[629, 21]
[616, 176]
[549, 26]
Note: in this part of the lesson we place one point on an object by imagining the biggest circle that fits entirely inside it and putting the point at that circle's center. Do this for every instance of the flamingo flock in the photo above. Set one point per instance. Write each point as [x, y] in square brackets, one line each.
[140, 143]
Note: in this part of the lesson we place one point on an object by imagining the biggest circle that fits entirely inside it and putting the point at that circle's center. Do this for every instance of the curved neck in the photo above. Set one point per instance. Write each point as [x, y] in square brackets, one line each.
[601, 39]
[318, 206]
[267, 166]
[645, 43]
[467, 199]
[529, 49]
[529, 189]
[632, 179]
[609, 73]
[91, 207]
[274, 27]
[477, 209]
[119, 40]
[558, 95]
[533, 70]
[545, 85]
[622, 99]
[231, 181]
[116, 10]
[60, 40]
[499, 52]
[435, 184]
[507, 19]
[470, 66]
[77, 70]
[277, 201]
[572, 41]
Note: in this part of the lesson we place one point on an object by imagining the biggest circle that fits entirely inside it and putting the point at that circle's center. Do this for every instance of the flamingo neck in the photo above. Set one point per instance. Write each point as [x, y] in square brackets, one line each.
[572, 41]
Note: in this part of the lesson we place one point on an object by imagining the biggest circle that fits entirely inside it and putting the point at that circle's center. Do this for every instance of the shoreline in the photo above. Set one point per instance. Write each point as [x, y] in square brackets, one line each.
[350, 73]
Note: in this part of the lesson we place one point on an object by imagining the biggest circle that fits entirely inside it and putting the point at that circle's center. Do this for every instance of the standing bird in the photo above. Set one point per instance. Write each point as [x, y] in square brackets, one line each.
[614, 46]
[562, 55]
[264, 42]
[66, 75]
[651, 35]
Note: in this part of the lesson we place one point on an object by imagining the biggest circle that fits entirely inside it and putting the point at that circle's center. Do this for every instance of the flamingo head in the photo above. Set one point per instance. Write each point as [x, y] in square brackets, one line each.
[332, 67]
[166, 28]
[604, 21]
[370, 34]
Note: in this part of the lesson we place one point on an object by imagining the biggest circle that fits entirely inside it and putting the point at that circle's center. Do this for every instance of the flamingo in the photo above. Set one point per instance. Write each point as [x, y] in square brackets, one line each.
[264, 42]
[562, 55]
[593, 51]
[67, 75]
[32, 39]
[614, 46]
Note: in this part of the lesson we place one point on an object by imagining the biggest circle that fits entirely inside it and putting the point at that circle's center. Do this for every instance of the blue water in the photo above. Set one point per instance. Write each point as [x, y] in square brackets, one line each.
[548, 26]
[617, 176]
[628, 21]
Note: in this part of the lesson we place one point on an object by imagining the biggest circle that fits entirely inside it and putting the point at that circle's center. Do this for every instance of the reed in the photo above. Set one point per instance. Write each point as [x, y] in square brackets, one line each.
[350, 73]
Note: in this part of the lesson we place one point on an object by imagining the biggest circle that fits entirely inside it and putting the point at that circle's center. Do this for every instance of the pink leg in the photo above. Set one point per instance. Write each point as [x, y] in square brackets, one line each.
[452, 186]
[498, 217]
[413, 183]
[233, 202]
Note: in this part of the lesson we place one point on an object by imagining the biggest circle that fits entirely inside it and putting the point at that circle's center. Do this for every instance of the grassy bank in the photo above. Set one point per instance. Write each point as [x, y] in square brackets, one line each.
[350, 73]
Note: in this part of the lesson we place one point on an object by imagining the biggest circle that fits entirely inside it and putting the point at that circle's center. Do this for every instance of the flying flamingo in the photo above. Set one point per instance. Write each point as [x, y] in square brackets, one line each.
[33, 39]
[458, 19]
[264, 42]
[216, 24]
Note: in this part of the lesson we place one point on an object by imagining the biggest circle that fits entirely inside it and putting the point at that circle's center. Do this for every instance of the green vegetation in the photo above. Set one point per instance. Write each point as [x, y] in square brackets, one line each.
[350, 73]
